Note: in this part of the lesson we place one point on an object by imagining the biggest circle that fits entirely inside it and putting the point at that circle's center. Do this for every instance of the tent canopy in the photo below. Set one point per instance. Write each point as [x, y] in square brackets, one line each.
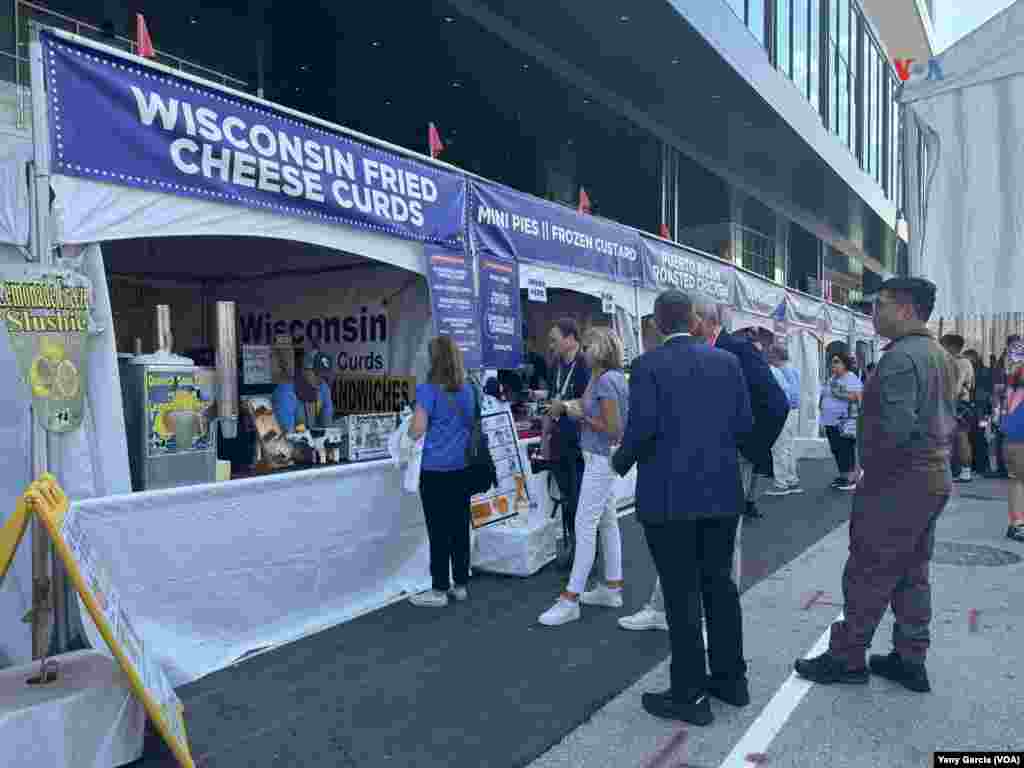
[964, 167]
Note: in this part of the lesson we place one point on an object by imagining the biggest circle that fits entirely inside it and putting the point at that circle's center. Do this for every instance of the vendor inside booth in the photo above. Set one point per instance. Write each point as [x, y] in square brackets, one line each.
[326, 342]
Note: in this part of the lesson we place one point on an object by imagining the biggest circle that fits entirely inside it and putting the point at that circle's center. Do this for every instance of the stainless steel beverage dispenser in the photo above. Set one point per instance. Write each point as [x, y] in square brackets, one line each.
[170, 407]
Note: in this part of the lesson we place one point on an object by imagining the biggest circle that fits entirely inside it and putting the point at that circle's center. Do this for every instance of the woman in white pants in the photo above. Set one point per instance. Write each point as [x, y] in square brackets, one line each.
[602, 412]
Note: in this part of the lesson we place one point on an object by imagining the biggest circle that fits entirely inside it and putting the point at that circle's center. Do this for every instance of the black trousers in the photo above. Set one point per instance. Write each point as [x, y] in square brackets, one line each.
[694, 562]
[843, 448]
[445, 497]
[569, 477]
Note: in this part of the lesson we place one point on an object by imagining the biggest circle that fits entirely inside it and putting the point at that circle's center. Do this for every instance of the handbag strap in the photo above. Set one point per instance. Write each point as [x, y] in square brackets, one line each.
[476, 405]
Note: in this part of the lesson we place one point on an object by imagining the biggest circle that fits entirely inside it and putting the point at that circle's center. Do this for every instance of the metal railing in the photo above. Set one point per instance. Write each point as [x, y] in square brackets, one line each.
[26, 14]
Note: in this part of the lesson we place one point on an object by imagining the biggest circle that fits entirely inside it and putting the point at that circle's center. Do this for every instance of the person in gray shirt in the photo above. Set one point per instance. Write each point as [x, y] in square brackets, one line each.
[602, 413]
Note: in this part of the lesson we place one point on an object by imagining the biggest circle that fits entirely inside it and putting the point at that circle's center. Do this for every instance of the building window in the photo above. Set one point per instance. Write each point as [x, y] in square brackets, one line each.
[839, 65]
[758, 253]
[814, 44]
[784, 37]
[755, 19]
[801, 50]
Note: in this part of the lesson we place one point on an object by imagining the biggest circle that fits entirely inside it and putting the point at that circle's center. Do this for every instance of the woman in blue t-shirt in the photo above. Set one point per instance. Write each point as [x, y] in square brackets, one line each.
[602, 413]
[839, 402]
[445, 408]
[1013, 435]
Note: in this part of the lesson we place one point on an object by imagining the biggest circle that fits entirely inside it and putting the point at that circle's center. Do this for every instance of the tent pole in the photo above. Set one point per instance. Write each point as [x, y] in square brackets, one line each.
[636, 313]
[43, 590]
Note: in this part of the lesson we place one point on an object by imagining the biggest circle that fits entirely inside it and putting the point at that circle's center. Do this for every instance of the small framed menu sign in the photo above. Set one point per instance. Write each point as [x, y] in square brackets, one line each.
[256, 365]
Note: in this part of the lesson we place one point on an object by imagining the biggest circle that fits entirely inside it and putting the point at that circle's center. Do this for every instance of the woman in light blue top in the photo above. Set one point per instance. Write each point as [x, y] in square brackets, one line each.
[839, 401]
[602, 414]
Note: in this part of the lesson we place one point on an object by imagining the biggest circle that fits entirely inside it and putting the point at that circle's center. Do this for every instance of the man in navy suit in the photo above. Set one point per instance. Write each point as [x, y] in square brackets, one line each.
[768, 402]
[689, 412]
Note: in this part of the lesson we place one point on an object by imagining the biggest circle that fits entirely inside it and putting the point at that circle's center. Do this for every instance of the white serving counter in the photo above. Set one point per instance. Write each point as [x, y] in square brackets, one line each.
[521, 547]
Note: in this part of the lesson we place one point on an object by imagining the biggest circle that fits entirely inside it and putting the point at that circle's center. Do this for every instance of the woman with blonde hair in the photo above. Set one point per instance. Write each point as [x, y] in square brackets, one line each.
[445, 407]
[602, 414]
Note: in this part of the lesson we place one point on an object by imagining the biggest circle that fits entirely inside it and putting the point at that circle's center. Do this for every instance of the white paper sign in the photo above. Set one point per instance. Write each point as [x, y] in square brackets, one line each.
[537, 289]
[256, 366]
[608, 303]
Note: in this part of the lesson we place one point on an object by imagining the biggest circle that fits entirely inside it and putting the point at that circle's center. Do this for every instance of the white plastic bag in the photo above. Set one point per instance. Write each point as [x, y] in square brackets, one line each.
[408, 454]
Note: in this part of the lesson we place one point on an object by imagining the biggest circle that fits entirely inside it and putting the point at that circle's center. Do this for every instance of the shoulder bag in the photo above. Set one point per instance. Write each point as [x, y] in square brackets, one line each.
[483, 475]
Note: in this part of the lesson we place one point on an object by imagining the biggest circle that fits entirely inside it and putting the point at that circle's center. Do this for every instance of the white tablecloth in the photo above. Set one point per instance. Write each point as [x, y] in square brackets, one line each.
[88, 718]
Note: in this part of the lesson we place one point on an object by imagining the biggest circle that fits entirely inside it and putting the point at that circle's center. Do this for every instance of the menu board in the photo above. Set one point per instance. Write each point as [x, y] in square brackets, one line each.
[257, 368]
[176, 402]
[511, 496]
[89, 573]
[453, 303]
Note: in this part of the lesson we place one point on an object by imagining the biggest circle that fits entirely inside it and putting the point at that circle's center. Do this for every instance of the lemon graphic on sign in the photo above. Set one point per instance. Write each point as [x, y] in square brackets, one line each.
[65, 382]
[45, 371]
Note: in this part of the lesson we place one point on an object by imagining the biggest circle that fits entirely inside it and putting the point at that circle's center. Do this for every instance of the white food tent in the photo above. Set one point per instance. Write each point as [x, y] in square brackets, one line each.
[964, 170]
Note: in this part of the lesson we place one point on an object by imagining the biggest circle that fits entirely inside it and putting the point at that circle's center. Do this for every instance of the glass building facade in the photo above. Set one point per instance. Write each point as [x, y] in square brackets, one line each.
[829, 50]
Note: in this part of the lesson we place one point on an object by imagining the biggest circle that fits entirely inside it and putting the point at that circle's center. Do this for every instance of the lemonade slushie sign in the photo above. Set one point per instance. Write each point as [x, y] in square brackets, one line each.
[46, 313]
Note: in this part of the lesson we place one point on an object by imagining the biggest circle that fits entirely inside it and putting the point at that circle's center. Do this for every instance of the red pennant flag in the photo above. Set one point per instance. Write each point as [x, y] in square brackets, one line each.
[143, 42]
[584, 206]
[436, 145]
[665, 233]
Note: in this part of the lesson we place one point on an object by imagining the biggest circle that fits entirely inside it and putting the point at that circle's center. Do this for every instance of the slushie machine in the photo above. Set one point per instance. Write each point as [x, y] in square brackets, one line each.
[174, 410]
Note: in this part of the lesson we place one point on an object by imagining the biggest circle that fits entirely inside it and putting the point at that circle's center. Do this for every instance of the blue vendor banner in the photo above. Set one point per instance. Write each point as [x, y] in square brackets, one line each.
[453, 304]
[500, 312]
[514, 225]
[115, 120]
[668, 266]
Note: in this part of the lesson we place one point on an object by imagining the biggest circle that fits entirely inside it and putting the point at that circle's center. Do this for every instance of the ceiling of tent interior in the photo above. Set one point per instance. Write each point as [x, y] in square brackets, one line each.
[217, 258]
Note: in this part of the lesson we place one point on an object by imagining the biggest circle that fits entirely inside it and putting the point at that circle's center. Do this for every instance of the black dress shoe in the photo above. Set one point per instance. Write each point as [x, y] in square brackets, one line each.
[735, 692]
[827, 670]
[912, 676]
[697, 711]
[752, 511]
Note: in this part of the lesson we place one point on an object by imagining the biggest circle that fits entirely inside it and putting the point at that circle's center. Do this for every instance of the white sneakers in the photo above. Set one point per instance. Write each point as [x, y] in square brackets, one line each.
[648, 618]
[432, 598]
[604, 596]
[562, 612]
[783, 490]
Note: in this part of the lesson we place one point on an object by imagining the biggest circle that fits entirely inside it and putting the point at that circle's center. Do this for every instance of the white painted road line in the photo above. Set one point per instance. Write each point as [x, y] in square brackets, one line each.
[773, 717]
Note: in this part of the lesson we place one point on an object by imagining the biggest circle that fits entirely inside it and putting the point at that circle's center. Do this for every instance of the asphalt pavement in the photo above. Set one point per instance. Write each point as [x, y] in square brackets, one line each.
[477, 684]
[974, 666]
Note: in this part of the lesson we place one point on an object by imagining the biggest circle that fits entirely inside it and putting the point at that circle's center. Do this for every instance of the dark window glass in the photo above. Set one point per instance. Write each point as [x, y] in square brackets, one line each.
[814, 43]
[844, 102]
[800, 45]
[755, 18]
[783, 37]
[843, 31]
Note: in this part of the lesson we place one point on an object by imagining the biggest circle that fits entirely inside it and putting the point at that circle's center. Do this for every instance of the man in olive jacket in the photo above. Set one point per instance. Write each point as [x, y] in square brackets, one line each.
[906, 434]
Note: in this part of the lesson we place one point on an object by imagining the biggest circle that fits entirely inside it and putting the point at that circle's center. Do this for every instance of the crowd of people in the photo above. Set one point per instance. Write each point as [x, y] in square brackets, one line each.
[703, 413]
